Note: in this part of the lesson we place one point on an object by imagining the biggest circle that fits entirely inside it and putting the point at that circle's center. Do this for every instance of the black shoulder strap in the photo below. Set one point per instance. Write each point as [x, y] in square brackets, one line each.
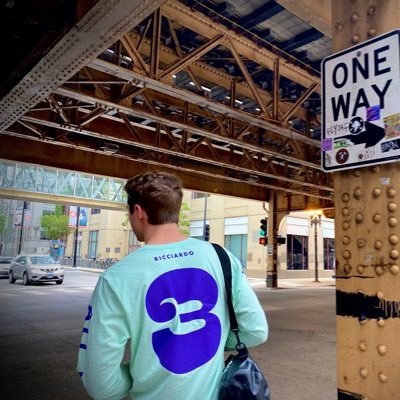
[226, 269]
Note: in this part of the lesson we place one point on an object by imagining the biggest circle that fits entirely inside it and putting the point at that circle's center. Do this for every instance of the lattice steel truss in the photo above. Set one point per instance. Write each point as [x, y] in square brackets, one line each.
[151, 99]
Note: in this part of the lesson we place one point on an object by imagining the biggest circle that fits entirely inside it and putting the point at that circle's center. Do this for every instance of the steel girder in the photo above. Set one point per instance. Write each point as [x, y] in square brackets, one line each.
[126, 100]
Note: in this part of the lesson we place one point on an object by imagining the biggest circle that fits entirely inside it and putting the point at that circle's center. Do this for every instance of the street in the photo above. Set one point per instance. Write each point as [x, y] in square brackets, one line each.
[40, 329]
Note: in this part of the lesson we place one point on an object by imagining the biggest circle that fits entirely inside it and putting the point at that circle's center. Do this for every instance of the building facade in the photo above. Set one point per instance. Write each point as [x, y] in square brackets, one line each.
[234, 223]
[21, 232]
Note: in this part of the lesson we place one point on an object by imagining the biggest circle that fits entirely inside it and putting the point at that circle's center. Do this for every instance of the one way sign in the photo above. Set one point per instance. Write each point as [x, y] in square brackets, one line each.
[361, 104]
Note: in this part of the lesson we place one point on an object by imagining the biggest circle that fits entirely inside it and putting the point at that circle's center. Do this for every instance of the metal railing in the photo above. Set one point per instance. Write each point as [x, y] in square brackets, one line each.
[89, 263]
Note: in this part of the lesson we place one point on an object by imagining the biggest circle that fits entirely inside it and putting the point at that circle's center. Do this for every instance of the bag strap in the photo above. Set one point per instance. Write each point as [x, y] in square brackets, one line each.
[226, 269]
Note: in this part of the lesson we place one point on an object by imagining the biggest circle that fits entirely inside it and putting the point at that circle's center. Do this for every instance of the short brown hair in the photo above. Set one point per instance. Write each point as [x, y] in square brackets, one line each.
[158, 193]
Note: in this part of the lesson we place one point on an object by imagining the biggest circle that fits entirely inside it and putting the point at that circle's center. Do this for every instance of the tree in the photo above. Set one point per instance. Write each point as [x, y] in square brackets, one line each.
[55, 226]
[184, 219]
[2, 223]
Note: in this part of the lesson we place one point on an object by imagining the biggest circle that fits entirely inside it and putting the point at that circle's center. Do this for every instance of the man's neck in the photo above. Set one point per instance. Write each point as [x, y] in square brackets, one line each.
[164, 234]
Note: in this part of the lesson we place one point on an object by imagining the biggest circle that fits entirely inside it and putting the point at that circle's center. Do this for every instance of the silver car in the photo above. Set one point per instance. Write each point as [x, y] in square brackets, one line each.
[35, 268]
[5, 263]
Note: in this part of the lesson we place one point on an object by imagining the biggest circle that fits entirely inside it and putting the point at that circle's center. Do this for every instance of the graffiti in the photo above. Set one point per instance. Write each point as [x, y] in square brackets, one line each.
[335, 129]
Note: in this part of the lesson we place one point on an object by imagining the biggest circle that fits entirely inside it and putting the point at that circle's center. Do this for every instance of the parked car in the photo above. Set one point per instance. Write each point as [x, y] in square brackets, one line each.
[35, 268]
[5, 263]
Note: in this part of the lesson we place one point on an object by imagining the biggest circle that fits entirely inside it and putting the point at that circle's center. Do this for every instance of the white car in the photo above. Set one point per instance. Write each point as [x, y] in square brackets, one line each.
[5, 263]
[35, 268]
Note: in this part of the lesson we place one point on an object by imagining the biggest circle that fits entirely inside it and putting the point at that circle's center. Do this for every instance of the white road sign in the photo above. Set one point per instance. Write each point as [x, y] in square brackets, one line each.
[361, 104]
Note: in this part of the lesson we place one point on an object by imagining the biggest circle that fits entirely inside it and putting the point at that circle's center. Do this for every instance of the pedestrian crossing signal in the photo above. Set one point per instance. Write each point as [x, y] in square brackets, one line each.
[262, 241]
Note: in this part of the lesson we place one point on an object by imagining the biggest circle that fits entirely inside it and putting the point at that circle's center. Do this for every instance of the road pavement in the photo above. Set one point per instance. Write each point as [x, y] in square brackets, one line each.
[40, 329]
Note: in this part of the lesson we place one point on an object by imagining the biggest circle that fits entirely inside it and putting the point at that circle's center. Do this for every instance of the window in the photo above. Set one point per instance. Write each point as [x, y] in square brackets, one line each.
[235, 237]
[95, 211]
[198, 195]
[329, 253]
[237, 245]
[21, 260]
[297, 252]
[42, 260]
[93, 241]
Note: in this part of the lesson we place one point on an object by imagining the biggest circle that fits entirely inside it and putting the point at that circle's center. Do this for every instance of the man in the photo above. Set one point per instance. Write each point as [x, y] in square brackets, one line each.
[167, 300]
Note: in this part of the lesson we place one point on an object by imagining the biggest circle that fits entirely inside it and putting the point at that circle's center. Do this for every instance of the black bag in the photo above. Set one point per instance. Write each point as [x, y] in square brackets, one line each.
[242, 378]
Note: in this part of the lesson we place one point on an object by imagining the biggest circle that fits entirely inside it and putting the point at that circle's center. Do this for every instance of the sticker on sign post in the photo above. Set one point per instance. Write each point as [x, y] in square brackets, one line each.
[360, 104]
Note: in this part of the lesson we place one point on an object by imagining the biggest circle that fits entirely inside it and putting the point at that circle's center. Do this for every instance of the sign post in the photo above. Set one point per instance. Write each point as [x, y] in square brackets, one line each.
[360, 111]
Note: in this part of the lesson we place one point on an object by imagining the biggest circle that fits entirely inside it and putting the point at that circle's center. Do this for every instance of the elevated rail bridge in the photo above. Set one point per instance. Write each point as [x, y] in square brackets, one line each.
[227, 95]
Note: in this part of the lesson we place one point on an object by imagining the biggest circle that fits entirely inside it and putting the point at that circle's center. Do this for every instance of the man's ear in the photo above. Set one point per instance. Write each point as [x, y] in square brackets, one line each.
[140, 212]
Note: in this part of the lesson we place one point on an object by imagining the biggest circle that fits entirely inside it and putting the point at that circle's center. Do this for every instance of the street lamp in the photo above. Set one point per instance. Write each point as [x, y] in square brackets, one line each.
[315, 219]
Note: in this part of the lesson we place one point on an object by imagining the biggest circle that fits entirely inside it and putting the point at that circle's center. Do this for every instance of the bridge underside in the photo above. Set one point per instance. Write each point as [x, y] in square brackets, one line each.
[179, 88]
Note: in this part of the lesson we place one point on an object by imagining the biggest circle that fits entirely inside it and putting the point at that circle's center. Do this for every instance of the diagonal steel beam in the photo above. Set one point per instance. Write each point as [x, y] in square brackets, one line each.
[100, 89]
[179, 52]
[143, 36]
[299, 102]
[191, 57]
[100, 27]
[206, 27]
[176, 124]
[199, 101]
[59, 110]
[89, 117]
[215, 76]
[176, 142]
[32, 128]
[248, 78]
[127, 42]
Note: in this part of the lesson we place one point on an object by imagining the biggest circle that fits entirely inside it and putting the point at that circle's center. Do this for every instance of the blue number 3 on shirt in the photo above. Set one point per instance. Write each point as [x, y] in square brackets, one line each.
[184, 298]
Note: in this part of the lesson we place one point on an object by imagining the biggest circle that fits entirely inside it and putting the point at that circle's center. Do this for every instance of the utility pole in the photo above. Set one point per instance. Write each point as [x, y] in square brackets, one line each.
[205, 217]
[272, 251]
[315, 220]
[21, 228]
[78, 212]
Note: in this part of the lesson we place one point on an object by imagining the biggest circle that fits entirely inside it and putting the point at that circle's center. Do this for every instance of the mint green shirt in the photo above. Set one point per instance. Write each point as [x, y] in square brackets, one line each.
[167, 305]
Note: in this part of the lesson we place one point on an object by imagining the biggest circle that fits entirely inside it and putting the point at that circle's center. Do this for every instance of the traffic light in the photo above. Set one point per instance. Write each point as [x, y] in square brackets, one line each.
[207, 233]
[263, 227]
[263, 232]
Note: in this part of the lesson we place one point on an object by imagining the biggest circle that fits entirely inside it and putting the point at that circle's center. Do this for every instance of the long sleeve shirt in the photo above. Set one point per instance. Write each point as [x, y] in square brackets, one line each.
[167, 304]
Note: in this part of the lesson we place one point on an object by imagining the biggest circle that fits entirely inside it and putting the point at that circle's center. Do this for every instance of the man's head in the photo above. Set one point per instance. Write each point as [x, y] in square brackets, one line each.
[159, 194]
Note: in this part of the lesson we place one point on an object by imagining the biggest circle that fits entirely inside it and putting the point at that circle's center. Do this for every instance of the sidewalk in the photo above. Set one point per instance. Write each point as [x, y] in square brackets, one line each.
[295, 283]
[258, 283]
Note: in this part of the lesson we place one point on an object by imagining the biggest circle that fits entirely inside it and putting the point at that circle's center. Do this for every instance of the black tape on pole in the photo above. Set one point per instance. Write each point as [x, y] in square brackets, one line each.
[342, 395]
[361, 306]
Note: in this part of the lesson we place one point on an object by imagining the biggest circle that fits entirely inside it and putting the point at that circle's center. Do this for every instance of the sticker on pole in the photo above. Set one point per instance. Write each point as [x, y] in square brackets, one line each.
[361, 104]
